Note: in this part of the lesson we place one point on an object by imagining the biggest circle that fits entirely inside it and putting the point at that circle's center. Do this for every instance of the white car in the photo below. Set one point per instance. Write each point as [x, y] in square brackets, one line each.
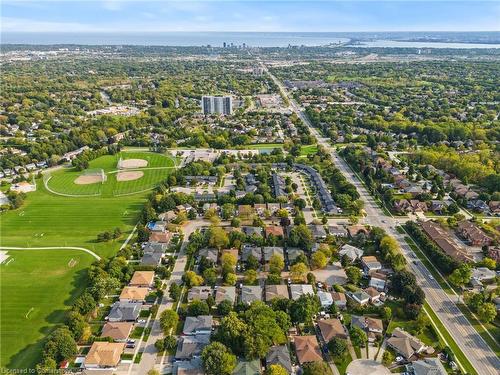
[399, 359]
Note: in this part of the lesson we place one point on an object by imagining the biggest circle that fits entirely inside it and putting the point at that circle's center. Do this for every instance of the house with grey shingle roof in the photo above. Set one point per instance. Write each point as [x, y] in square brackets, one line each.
[198, 325]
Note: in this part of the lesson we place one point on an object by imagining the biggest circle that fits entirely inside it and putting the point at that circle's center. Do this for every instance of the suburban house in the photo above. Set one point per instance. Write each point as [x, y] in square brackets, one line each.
[191, 346]
[192, 367]
[198, 325]
[472, 234]
[339, 300]
[325, 298]
[279, 355]
[247, 368]
[167, 216]
[377, 280]
[142, 279]
[160, 237]
[370, 264]
[269, 251]
[124, 311]
[307, 349]
[338, 231]
[293, 254]
[331, 328]
[404, 343]
[274, 230]
[351, 252]
[118, 331]
[210, 254]
[426, 366]
[298, 290]
[133, 294]
[233, 251]
[103, 354]
[374, 294]
[224, 293]
[250, 293]
[153, 253]
[276, 291]
[199, 293]
[318, 231]
[372, 326]
[252, 231]
[251, 250]
[360, 297]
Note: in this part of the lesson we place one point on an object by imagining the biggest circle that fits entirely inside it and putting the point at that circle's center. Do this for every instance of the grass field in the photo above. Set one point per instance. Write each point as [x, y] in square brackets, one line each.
[308, 150]
[36, 289]
[46, 219]
[62, 181]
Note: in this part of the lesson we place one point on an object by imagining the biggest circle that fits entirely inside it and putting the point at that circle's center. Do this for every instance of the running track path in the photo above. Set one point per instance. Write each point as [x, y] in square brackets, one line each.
[53, 248]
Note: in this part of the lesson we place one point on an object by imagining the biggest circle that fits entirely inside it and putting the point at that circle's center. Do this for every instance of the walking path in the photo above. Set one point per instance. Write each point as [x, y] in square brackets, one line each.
[53, 248]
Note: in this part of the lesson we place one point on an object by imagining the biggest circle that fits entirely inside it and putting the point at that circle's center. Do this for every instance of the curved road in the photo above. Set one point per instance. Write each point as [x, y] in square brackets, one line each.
[53, 248]
[477, 351]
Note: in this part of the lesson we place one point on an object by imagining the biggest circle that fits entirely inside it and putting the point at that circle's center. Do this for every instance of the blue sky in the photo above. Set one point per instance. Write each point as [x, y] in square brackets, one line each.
[136, 16]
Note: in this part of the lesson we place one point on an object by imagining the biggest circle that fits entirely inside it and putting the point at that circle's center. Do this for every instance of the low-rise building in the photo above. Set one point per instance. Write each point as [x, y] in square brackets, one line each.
[199, 293]
[370, 264]
[351, 252]
[404, 343]
[225, 293]
[251, 293]
[118, 331]
[142, 279]
[471, 233]
[276, 291]
[325, 298]
[124, 311]
[340, 300]
[331, 328]
[189, 347]
[133, 294]
[307, 349]
[298, 290]
[360, 297]
[103, 354]
[279, 355]
[198, 325]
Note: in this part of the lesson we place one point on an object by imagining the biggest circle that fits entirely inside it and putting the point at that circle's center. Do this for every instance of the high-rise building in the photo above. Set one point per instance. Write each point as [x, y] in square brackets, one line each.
[217, 104]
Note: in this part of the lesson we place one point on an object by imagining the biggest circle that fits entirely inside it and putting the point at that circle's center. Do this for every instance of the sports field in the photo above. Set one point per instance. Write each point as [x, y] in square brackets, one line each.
[156, 170]
[36, 289]
[46, 219]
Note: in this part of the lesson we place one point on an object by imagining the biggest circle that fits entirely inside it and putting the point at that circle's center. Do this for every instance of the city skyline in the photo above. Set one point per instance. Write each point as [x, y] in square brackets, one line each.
[274, 16]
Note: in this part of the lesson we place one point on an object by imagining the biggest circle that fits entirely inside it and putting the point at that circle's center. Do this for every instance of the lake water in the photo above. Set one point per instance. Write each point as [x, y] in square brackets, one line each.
[215, 39]
[252, 39]
[403, 44]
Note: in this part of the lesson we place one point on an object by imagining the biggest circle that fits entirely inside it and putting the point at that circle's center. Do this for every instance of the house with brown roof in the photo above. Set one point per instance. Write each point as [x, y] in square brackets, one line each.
[374, 294]
[199, 293]
[275, 230]
[354, 230]
[142, 279]
[225, 293]
[276, 291]
[405, 344]
[104, 354]
[160, 237]
[471, 233]
[118, 331]
[233, 251]
[133, 294]
[339, 300]
[331, 328]
[370, 263]
[444, 241]
[307, 349]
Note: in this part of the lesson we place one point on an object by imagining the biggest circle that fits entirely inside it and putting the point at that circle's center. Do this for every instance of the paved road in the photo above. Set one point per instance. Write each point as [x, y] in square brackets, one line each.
[148, 360]
[478, 352]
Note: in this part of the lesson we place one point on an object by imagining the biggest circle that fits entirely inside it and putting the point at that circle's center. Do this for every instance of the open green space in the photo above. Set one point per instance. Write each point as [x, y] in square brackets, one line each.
[157, 169]
[48, 220]
[36, 288]
[259, 146]
[308, 150]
